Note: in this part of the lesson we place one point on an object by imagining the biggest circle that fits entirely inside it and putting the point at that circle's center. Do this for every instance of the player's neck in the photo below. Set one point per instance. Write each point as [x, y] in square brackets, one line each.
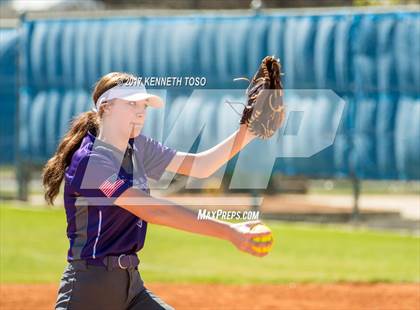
[114, 137]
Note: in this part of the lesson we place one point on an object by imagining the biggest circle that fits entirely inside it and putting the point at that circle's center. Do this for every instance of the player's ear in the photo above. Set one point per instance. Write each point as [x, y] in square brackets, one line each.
[105, 107]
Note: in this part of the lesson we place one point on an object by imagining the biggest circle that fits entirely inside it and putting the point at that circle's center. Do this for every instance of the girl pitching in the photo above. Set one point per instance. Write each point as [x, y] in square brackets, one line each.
[105, 162]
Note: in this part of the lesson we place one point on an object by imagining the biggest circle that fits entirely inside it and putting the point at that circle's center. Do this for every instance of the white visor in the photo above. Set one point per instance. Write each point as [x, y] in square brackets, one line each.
[129, 93]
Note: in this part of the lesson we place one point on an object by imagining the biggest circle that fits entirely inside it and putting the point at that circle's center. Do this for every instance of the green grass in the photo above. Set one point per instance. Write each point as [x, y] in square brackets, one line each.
[33, 248]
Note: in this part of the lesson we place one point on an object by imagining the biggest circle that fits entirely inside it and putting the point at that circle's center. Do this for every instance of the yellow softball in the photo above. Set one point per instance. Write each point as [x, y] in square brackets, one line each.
[260, 228]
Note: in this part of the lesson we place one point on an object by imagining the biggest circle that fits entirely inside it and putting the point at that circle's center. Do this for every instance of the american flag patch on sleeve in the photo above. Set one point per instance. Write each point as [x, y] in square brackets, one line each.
[110, 185]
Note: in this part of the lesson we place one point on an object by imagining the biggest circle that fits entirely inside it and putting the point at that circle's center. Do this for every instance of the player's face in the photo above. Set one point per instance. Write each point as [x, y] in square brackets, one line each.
[130, 115]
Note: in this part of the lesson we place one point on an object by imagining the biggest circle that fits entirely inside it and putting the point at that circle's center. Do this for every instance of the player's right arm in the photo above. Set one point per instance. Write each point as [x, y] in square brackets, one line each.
[163, 212]
[95, 178]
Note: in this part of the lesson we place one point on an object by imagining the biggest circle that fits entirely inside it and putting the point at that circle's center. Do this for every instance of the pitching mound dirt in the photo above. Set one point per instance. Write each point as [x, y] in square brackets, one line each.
[252, 297]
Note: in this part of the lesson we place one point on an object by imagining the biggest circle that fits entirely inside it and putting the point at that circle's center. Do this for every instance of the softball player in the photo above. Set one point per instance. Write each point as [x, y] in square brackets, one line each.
[105, 162]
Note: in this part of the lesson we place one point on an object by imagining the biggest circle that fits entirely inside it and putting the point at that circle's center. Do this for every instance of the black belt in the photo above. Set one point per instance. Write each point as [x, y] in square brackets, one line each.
[123, 261]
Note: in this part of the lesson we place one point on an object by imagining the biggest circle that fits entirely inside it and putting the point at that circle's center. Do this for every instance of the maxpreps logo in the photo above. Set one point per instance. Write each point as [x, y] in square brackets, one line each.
[204, 214]
[207, 117]
[204, 119]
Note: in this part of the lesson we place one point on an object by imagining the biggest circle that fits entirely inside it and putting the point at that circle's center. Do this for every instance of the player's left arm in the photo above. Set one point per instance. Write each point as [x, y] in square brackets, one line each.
[204, 164]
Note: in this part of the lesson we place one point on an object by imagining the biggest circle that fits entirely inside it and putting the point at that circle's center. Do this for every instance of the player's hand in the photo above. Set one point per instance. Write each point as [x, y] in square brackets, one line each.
[241, 237]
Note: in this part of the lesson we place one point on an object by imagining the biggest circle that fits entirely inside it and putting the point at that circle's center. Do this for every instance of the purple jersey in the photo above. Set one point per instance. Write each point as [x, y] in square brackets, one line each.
[97, 175]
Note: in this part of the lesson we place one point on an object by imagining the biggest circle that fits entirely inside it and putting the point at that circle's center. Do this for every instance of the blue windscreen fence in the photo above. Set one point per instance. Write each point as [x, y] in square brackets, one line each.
[8, 93]
[369, 60]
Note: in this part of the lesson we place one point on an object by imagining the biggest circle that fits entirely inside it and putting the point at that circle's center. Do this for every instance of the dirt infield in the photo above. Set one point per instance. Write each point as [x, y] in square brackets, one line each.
[252, 297]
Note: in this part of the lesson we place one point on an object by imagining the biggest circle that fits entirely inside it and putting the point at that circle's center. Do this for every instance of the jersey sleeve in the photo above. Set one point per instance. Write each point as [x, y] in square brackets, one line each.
[156, 158]
[98, 180]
